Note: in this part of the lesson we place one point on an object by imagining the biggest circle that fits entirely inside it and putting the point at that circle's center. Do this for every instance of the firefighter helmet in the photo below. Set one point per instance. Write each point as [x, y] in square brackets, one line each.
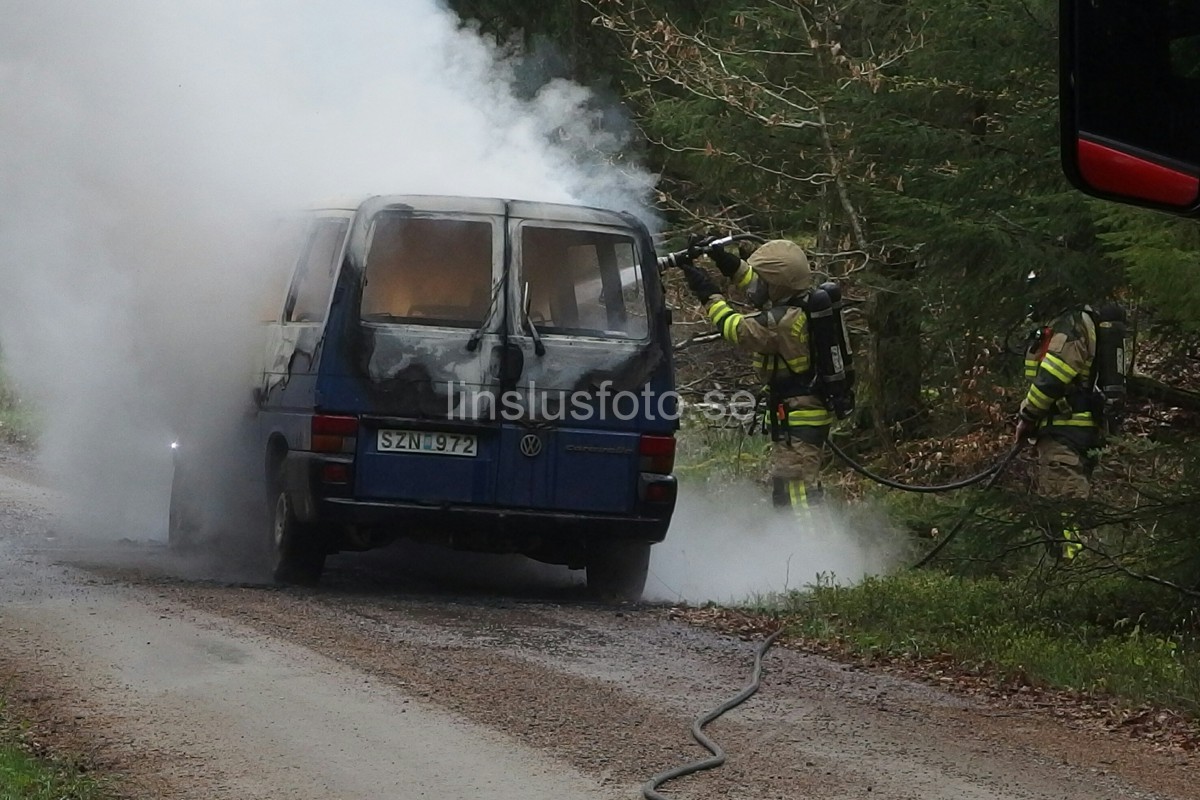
[783, 265]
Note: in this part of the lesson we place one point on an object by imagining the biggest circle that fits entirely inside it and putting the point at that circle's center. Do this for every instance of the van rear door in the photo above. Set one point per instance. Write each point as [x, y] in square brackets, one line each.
[431, 302]
[588, 332]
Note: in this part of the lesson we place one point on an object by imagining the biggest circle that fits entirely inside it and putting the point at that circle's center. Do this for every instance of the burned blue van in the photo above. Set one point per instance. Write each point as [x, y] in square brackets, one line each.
[490, 375]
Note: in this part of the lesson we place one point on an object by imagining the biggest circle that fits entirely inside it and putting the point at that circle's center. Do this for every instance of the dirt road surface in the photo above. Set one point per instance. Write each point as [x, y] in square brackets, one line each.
[408, 676]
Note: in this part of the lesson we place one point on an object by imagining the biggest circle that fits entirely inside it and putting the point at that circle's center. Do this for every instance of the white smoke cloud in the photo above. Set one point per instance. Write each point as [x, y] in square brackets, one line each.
[144, 141]
[729, 545]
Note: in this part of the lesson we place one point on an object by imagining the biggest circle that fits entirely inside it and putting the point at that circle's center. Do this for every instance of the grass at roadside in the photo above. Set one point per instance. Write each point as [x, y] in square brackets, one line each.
[18, 425]
[22, 776]
[1055, 637]
[1011, 621]
[719, 450]
[30, 777]
[19, 422]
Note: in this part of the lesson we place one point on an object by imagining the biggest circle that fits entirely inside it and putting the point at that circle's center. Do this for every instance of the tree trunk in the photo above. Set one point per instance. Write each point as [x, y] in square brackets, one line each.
[895, 362]
[1145, 386]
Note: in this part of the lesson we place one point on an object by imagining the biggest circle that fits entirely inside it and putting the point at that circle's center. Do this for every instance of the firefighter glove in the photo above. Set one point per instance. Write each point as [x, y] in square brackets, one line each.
[726, 262]
[697, 246]
[1025, 430]
[700, 282]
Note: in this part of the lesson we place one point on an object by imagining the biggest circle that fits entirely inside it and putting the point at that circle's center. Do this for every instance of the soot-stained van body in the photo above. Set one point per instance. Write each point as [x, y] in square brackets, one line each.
[487, 374]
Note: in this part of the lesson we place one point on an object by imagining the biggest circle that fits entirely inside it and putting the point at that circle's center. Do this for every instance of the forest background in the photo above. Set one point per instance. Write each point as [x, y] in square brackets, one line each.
[912, 147]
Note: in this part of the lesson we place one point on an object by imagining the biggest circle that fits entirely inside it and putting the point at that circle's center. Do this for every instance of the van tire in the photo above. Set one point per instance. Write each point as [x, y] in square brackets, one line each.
[295, 553]
[616, 571]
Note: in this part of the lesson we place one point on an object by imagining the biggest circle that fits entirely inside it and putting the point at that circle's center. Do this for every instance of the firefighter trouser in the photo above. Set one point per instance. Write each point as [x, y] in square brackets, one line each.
[1063, 473]
[797, 454]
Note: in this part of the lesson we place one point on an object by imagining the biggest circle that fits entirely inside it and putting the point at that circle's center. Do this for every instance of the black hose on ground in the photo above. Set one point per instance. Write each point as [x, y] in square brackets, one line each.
[970, 509]
[650, 789]
[990, 472]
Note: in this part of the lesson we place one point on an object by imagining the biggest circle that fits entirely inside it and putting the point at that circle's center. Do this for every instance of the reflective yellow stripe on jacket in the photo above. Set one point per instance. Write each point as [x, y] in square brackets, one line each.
[799, 332]
[746, 277]
[1058, 368]
[1047, 393]
[1080, 419]
[773, 364]
[726, 320]
[1039, 399]
[810, 416]
[806, 417]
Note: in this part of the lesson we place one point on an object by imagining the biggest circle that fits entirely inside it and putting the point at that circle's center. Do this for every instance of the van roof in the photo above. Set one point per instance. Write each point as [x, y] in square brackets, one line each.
[465, 203]
[341, 203]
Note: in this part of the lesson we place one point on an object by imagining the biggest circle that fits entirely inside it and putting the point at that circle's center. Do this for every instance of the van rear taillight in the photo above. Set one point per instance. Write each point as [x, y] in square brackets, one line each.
[332, 433]
[657, 454]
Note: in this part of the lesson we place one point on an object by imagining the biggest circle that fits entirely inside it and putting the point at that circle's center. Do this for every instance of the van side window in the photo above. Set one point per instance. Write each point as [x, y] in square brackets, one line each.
[422, 270]
[314, 277]
[583, 282]
[285, 243]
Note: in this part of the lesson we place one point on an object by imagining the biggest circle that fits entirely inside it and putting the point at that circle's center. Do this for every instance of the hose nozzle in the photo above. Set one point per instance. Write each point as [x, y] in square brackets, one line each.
[683, 257]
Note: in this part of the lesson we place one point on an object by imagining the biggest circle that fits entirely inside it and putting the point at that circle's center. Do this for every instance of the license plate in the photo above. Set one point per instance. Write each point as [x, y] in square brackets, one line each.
[446, 444]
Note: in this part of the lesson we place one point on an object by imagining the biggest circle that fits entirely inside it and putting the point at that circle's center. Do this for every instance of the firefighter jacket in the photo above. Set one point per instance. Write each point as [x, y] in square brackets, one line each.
[1060, 400]
[778, 342]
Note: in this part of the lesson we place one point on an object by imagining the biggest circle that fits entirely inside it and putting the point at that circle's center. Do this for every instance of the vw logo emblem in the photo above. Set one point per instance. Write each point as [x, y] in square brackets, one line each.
[531, 445]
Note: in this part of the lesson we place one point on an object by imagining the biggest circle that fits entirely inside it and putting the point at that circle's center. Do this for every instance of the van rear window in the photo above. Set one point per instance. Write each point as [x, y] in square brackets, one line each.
[583, 282]
[428, 271]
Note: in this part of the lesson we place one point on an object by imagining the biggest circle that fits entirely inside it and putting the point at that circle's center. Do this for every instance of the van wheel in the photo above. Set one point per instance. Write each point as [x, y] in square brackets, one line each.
[295, 553]
[617, 570]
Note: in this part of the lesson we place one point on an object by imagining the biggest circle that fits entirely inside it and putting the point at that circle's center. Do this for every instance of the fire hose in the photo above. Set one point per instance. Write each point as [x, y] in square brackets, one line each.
[717, 758]
[650, 789]
[990, 472]
[997, 471]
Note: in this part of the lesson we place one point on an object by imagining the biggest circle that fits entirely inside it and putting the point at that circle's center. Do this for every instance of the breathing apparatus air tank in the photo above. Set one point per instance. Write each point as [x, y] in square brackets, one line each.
[1110, 364]
[835, 296]
[830, 348]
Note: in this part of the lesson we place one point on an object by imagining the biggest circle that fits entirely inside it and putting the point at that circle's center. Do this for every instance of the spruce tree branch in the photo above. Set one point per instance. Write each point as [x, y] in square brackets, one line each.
[815, 179]
[704, 222]
[1139, 576]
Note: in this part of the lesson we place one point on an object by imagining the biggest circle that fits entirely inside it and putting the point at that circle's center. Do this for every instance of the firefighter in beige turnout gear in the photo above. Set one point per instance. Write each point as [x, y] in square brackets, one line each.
[775, 278]
[1060, 413]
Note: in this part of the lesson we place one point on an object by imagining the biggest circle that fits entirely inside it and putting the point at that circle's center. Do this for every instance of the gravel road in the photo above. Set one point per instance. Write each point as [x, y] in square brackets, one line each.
[406, 675]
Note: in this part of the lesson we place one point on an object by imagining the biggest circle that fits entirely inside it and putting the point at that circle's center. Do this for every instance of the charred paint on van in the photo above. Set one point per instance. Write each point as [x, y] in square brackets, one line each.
[402, 312]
